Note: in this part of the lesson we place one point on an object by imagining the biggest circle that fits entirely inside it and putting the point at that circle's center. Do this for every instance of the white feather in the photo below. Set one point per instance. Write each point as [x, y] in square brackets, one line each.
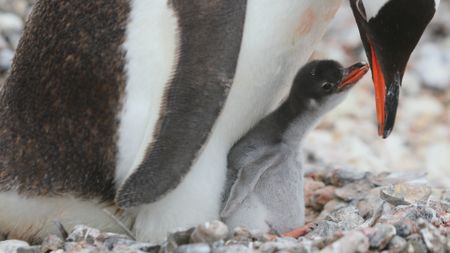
[22, 217]
[436, 3]
[372, 7]
[151, 56]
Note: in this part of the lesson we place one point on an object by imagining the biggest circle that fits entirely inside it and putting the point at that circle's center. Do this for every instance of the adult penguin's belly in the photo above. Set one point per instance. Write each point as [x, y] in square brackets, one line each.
[278, 39]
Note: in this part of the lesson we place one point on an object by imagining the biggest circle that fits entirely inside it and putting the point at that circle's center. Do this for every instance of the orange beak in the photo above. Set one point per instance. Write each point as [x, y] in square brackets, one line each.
[353, 74]
[380, 92]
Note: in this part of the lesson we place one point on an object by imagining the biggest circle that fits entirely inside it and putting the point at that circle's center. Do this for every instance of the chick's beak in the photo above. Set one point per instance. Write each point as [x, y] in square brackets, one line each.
[353, 74]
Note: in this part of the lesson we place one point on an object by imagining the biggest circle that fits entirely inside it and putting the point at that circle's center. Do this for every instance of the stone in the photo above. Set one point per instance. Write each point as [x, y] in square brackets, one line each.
[83, 233]
[382, 236]
[310, 187]
[432, 238]
[324, 229]
[10, 22]
[310, 215]
[233, 249]
[180, 237]
[351, 242]
[242, 234]
[348, 217]
[397, 244]
[322, 196]
[83, 247]
[11, 246]
[392, 178]
[340, 177]
[29, 249]
[209, 232]
[176, 239]
[110, 240]
[404, 228]
[6, 57]
[405, 194]
[355, 190]
[431, 63]
[52, 242]
[137, 247]
[415, 244]
[282, 245]
[194, 248]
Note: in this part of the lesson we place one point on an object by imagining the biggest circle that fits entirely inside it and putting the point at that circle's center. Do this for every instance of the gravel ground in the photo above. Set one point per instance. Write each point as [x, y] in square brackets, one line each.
[397, 212]
[349, 211]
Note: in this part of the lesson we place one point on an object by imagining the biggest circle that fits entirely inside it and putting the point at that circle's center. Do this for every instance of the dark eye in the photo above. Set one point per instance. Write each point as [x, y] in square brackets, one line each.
[327, 86]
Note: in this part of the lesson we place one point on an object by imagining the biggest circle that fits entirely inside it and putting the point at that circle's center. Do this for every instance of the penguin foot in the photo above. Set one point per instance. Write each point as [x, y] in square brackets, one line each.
[296, 233]
[301, 231]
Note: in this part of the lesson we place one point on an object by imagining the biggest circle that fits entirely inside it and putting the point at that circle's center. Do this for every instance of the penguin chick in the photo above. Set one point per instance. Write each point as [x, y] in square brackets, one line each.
[264, 188]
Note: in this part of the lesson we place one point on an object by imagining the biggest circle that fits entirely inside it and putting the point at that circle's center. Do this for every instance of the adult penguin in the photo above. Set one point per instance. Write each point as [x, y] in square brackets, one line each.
[132, 105]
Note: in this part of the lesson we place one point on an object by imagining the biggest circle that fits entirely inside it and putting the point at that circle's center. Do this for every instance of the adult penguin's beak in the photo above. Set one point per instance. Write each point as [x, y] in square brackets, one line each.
[390, 30]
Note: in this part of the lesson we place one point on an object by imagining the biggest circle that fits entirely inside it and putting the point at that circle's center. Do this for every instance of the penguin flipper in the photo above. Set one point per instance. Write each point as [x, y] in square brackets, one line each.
[210, 34]
[248, 177]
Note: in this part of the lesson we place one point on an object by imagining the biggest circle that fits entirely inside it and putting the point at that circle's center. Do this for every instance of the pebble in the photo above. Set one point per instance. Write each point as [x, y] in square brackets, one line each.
[10, 22]
[431, 62]
[194, 248]
[325, 229]
[397, 244]
[52, 242]
[209, 232]
[404, 228]
[6, 56]
[287, 246]
[322, 196]
[352, 191]
[180, 237]
[310, 187]
[354, 241]
[11, 246]
[383, 233]
[415, 244]
[348, 217]
[83, 233]
[405, 193]
[29, 249]
[233, 249]
[340, 177]
[434, 241]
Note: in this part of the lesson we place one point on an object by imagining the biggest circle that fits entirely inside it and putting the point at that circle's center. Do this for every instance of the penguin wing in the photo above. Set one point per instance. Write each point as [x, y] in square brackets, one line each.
[210, 35]
[248, 176]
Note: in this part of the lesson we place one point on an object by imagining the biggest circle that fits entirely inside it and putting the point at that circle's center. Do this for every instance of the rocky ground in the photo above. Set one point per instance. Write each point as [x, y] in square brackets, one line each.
[358, 209]
[349, 211]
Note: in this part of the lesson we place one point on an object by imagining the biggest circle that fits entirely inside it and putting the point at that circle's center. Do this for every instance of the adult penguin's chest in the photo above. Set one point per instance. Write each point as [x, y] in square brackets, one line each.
[277, 39]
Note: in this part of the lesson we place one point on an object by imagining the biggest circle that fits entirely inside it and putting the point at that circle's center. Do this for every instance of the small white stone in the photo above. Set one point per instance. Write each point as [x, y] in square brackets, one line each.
[6, 57]
[11, 246]
[432, 64]
[10, 22]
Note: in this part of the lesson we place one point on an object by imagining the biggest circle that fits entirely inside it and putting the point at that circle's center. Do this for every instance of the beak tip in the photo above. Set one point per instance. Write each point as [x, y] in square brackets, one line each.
[383, 131]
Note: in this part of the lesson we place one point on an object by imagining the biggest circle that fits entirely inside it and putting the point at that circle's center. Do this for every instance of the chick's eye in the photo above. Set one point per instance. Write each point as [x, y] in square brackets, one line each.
[327, 86]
